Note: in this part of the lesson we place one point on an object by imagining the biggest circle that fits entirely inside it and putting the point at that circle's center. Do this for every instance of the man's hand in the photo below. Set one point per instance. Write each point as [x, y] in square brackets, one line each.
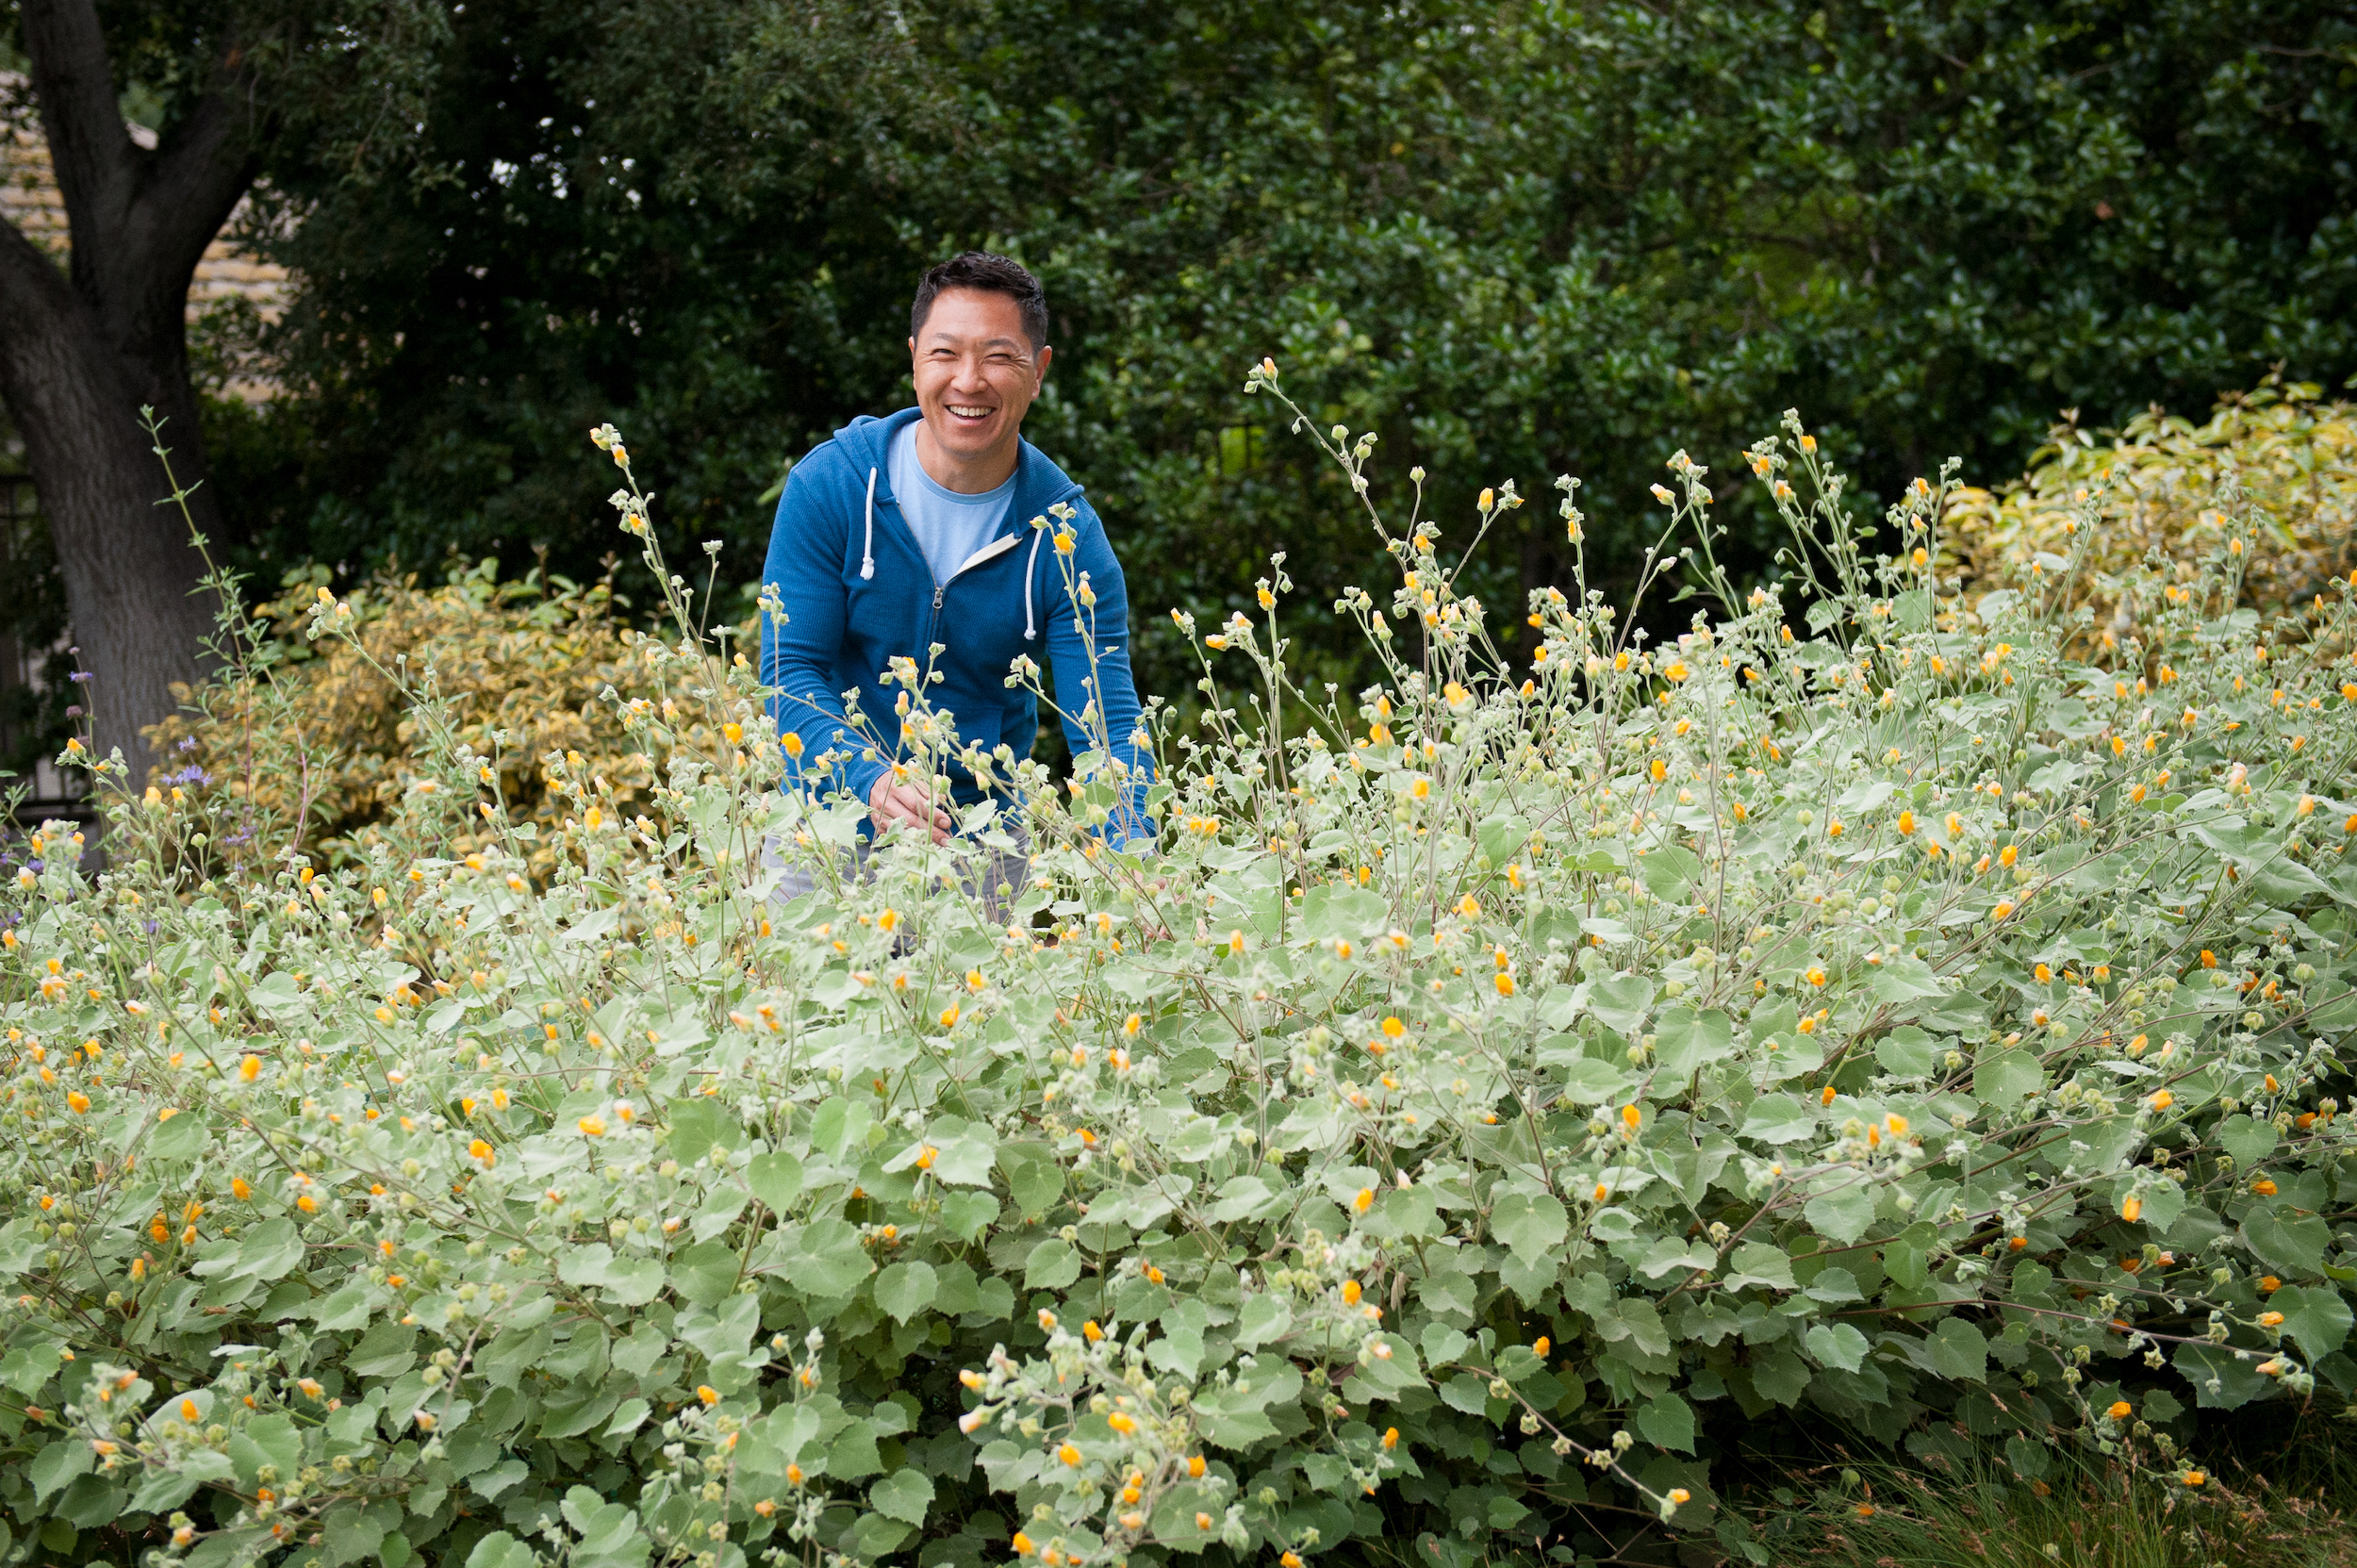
[891, 805]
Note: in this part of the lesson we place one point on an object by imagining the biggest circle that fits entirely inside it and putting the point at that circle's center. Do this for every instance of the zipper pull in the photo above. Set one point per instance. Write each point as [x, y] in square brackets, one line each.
[939, 588]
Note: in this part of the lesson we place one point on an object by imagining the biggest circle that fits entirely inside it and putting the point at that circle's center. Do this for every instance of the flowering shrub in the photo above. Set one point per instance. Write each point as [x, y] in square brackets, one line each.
[1857, 1006]
[2272, 472]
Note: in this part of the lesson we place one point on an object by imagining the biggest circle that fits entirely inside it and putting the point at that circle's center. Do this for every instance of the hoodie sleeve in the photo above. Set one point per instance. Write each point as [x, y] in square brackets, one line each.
[1088, 659]
[797, 658]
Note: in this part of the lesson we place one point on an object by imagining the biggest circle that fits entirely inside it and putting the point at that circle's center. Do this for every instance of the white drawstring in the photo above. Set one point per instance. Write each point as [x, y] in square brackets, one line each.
[868, 551]
[1038, 537]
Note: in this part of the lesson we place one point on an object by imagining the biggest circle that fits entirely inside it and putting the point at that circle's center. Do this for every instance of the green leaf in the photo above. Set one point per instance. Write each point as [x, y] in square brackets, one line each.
[964, 1214]
[2316, 1316]
[1053, 1264]
[346, 1309]
[1837, 1344]
[697, 1124]
[1667, 1421]
[351, 1533]
[1685, 1040]
[501, 1550]
[637, 1279]
[1034, 1178]
[1955, 1349]
[183, 1137]
[1759, 1263]
[1588, 1081]
[1533, 1224]
[2220, 1380]
[2248, 1140]
[89, 1502]
[904, 1495]
[1842, 1215]
[2288, 1242]
[1265, 1319]
[1780, 1374]
[776, 1180]
[2006, 1076]
[1905, 1052]
[1622, 1004]
[705, 1273]
[904, 1290]
[1779, 1119]
[55, 1466]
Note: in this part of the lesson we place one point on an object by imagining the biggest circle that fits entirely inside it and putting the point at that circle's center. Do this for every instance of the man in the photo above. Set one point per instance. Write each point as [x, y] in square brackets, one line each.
[940, 524]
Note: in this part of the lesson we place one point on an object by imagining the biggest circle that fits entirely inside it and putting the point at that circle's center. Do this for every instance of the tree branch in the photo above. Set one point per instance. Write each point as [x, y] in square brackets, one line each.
[33, 292]
[96, 161]
[193, 184]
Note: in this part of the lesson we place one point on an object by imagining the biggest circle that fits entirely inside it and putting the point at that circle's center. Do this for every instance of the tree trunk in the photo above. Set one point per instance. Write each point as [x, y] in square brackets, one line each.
[131, 573]
[80, 355]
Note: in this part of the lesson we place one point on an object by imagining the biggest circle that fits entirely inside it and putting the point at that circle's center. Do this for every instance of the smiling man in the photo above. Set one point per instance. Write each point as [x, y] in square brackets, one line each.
[940, 526]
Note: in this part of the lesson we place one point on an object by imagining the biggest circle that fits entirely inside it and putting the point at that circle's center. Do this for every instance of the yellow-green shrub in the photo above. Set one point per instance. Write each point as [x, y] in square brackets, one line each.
[2268, 487]
[330, 743]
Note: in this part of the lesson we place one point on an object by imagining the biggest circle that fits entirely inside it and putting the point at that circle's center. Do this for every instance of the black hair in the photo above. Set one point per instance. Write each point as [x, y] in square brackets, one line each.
[991, 274]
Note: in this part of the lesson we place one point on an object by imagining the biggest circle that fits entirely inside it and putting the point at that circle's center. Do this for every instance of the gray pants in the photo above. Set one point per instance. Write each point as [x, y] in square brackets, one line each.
[982, 871]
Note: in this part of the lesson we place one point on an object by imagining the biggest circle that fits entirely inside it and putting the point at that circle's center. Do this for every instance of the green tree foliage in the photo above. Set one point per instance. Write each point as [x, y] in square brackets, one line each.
[1521, 238]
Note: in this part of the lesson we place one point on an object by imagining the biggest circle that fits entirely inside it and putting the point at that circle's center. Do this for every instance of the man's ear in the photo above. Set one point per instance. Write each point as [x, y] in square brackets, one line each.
[1046, 353]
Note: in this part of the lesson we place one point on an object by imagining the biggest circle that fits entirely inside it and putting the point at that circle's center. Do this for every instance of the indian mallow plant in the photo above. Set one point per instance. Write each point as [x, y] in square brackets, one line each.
[1916, 1014]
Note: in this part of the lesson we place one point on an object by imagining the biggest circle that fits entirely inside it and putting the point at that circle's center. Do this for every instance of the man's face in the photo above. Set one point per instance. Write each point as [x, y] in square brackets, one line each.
[976, 372]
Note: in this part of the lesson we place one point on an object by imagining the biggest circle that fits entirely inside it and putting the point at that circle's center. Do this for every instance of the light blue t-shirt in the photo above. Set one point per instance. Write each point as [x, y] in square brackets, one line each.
[950, 527]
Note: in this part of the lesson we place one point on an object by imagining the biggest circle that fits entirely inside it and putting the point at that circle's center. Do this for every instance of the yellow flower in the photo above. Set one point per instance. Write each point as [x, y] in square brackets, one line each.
[250, 1068]
[1631, 1117]
[706, 1393]
[1365, 1200]
[950, 1016]
[1506, 984]
[592, 1126]
[2130, 1207]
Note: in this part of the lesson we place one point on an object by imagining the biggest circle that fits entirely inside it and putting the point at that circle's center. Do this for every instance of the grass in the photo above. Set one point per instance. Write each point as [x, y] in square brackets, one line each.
[2081, 1516]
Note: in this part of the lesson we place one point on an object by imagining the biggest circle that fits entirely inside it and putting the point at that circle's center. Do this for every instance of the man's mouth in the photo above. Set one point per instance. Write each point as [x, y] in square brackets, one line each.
[969, 410]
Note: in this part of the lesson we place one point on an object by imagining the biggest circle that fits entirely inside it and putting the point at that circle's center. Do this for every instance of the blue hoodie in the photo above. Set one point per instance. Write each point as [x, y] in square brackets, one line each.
[857, 594]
